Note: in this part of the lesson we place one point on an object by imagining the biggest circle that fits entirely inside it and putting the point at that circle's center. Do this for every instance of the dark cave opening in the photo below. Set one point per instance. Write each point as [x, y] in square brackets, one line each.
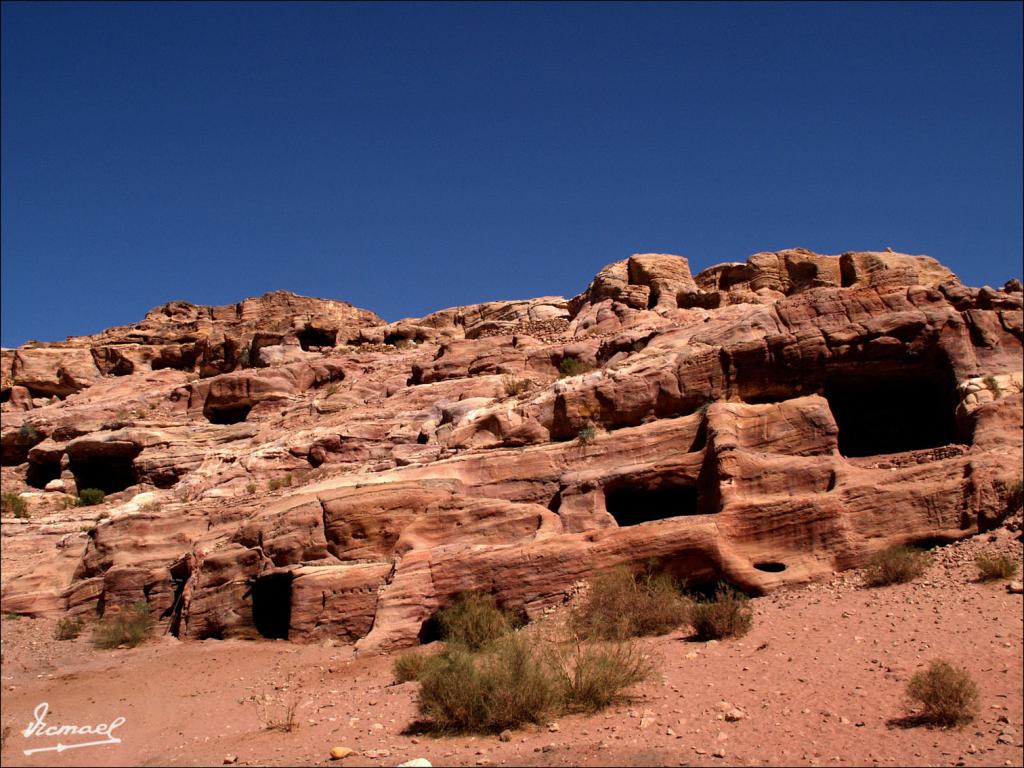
[770, 566]
[636, 504]
[892, 413]
[226, 414]
[110, 473]
[316, 337]
[40, 473]
[430, 631]
[272, 605]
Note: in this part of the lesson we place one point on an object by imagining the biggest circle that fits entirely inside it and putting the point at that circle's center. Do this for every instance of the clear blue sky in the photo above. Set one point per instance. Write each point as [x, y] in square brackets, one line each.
[407, 158]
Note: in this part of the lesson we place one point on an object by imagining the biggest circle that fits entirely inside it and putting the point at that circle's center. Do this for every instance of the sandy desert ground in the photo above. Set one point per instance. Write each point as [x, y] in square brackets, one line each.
[820, 680]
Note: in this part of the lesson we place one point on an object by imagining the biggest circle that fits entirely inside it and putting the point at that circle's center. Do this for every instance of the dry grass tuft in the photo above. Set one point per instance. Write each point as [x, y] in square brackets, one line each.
[895, 565]
[728, 615]
[947, 694]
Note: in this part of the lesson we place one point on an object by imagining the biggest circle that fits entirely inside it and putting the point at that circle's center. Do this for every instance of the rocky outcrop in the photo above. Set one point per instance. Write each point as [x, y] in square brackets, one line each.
[291, 467]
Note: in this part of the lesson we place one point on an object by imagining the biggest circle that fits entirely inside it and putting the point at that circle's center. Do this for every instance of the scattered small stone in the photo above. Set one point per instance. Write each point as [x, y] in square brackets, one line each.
[416, 762]
[505, 735]
[340, 753]
[230, 759]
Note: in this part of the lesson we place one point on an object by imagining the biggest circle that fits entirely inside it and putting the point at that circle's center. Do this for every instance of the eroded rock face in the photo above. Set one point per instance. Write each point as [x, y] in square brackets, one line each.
[291, 467]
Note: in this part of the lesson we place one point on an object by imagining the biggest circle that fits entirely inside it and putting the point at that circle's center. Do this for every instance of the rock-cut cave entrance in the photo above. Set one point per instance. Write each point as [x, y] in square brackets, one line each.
[272, 605]
[632, 504]
[893, 411]
[108, 473]
[311, 337]
[226, 414]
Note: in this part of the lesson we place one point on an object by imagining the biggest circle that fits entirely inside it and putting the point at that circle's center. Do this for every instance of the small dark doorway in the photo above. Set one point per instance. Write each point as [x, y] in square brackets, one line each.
[110, 474]
[892, 413]
[226, 414]
[316, 337]
[272, 605]
[635, 504]
[40, 473]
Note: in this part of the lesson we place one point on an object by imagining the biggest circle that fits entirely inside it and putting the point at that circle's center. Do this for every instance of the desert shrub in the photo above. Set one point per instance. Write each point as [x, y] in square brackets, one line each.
[68, 629]
[250, 489]
[594, 676]
[993, 384]
[514, 386]
[280, 482]
[14, 505]
[508, 685]
[727, 615]
[1015, 498]
[947, 694]
[474, 620]
[277, 711]
[993, 567]
[586, 435]
[895, 565]
[29, 434]
[573, 366]
[90, 497]
[128, 627]
[619, 605]
[410, 666]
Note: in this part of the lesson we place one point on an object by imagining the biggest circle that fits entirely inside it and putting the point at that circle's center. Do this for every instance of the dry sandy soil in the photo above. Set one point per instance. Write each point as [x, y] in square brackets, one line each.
[820, 679]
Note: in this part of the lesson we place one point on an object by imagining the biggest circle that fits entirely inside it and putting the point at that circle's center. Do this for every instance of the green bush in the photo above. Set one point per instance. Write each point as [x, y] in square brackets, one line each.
[68, 629]
[994, 567]
[127, 627]
[507, 686]
[727, 615]
[594, 677]
[409, 666]
[29, 434]
[947, 695]
[474, 620]
[573, 366]
[620, 605]
[895, 565]
[90, 497]
[587, 435]
[14, 505]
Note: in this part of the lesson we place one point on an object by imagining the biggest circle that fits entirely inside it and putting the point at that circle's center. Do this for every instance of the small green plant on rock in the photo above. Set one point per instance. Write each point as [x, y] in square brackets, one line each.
[895, 565]
[513, 386]
[573, 366]
[587, 435]
[946, 694]
[29, 434]
[14, 505]
[90, 497]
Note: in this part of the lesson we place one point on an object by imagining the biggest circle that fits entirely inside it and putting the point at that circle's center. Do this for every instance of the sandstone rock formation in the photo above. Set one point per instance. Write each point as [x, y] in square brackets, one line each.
[294, 467]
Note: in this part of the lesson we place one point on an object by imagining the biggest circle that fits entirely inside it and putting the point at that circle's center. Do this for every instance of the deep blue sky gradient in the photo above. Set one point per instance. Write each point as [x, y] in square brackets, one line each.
[407, 158]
